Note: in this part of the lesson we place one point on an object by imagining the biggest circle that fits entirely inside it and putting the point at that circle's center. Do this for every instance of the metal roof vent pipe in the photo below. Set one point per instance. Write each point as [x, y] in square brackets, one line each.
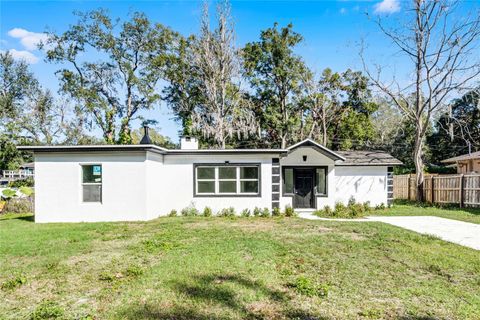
[146, 137]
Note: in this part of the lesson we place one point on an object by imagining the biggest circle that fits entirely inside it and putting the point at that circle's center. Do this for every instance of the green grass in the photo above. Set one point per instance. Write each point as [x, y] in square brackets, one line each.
[402, 209]
[223, 268]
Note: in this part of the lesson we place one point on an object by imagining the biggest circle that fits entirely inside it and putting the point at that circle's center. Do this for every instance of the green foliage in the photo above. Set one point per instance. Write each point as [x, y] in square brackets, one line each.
[207, 212]
[275, 73]
[173, 213]
[265, 213]
[289, 211]
[190, 211]
[245, 213]
[26, 191]
[47, 310]
[14, 282]
[256, 212]
[276, 212]
[227, 212]
[305, 286]
[8, 194]
[352, 210]
[155, 136]
[28, 182]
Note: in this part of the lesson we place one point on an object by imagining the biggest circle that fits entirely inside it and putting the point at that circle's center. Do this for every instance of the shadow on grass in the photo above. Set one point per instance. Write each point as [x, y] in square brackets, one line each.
[448, 207]
[18, 216]
[216, 292]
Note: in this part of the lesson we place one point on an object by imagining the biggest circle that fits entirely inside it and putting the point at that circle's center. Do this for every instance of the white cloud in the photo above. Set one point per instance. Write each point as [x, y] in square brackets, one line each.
[28, 39]
[27, 56]
[387, 6]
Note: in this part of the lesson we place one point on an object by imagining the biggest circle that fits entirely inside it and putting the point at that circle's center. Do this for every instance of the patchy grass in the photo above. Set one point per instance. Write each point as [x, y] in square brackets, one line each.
[401, 208]
[233, 268]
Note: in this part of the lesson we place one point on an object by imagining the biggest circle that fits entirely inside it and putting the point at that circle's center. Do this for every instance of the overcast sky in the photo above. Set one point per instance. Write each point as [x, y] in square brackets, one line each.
[332, 30]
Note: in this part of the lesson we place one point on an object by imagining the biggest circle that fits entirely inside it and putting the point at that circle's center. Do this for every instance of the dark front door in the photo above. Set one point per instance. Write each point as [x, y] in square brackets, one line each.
[303, 188]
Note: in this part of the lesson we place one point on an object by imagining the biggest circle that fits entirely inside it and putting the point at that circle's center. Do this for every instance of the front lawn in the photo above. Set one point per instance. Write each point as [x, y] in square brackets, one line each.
[402, 208]
[221, 268]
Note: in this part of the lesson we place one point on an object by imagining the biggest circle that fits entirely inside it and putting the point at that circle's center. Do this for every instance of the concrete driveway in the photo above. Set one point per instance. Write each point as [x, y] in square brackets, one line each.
[459, 232]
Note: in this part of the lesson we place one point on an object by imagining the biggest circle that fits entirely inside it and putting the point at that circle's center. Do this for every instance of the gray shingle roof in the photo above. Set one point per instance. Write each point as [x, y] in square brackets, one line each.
[367, 158]
[473, 155]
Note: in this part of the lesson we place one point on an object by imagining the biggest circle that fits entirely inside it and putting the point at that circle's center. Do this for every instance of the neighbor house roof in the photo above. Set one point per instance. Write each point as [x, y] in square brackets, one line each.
[470, 156]
[367, 158]
[343, 158]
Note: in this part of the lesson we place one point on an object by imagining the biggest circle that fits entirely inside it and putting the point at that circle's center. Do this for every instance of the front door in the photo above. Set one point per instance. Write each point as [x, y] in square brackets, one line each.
[303, 197]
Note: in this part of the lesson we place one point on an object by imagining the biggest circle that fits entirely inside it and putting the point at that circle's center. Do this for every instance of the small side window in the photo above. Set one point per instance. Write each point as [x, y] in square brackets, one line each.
[92, 183]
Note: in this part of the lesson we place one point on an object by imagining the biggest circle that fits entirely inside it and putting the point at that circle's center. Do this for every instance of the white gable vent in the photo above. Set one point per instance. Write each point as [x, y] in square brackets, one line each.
[188, 143]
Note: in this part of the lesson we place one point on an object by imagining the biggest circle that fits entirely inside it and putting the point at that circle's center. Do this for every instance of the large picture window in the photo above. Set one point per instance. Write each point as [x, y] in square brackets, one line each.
[92, 183]
[227, 180]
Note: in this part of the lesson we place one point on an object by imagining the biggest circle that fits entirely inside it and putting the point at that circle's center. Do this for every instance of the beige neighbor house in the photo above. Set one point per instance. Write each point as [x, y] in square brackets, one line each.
[467, 163]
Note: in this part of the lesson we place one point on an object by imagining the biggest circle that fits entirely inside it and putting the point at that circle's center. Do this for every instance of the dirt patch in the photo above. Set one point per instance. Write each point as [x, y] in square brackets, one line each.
[265, 310]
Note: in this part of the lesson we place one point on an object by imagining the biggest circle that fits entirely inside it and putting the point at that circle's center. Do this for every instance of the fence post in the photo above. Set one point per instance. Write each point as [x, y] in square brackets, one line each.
[408, 190]
[461, 191]
[432, 189]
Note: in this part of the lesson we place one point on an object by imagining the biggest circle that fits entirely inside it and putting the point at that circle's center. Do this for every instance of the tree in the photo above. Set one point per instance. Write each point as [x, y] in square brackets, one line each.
[458, 129]
[222, 112]
[441, 48]
[276, 75]
[114, 90]
[155, 137]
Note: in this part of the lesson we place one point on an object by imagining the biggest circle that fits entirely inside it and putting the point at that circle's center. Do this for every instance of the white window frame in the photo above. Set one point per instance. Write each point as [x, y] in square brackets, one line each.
[237, 179]
[91, 183]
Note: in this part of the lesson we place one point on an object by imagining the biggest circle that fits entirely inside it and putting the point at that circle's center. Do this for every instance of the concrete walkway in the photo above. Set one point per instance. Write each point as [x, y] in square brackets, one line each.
[459, 232]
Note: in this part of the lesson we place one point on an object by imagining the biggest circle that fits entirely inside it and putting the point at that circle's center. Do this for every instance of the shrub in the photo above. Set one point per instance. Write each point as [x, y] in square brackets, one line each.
[19, 205]
[8, 194]
[289, 212]
[173, 213]
[340, 210]
[14, 282]
[245, 213]
[328, 211]
[227, 212]
[257, 212]
[28, 182]
[265, 213]
[47, 310]
[380, 206]
[207, 212]
[26, 191]
[276, 212]
[190, 211]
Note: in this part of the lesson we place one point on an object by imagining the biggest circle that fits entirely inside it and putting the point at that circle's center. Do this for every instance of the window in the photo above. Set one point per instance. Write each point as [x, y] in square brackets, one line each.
[321, 181]
[227, 180]
[92, 183]
[288, 181]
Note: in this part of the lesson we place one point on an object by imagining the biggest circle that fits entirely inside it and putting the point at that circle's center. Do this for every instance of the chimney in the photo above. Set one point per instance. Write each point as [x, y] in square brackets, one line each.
[146, 137]
[188, 143]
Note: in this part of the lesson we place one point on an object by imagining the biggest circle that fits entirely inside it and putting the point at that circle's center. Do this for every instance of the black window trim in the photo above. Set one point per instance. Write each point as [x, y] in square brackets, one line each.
[227, 195]
[319, 195]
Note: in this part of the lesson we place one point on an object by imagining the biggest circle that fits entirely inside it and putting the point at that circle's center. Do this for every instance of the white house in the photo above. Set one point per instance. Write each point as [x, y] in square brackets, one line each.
[142, 182]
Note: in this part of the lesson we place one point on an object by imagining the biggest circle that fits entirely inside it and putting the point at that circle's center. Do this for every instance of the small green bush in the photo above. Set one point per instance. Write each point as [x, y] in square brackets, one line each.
[380, 206]
[227, 212]
[328, 211]
[245, 213]
[265, 213]
[28, 182]
[13, 282]
[190, 211]
[173, 213]
[47, 310]
[289, 212]
[207, 212]
[276, 212]
[26, 191]
[257, 212]
[19, 205]
[8, 194]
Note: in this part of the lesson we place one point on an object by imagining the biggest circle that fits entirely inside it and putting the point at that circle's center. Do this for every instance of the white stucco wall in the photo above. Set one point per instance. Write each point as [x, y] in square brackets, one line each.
[176, 190]
[363, 183]
[58, 188]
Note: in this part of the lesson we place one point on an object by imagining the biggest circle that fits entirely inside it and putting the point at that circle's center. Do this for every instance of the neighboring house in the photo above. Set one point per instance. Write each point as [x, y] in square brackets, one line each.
[141, 182]
[26, 170]
[467, 163]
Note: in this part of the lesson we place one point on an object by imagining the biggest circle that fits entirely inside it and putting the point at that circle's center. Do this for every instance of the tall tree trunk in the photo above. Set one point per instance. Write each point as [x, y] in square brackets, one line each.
[417, 158]
[419, 132]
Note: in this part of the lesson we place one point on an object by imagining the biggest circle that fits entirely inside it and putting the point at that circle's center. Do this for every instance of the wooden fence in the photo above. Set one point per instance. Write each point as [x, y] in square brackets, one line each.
[463, 190]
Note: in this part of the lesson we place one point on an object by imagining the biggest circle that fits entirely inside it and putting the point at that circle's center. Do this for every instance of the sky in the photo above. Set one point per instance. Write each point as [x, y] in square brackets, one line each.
[332, 31]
